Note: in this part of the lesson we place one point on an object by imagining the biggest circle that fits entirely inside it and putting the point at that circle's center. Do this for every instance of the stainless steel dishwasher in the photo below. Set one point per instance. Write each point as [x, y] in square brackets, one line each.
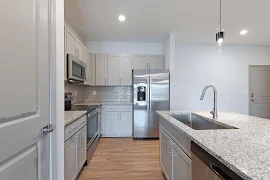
[206, 167]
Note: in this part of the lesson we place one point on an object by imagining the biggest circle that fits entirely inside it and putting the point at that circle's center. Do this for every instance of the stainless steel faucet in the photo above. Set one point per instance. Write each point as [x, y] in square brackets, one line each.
[214, 111]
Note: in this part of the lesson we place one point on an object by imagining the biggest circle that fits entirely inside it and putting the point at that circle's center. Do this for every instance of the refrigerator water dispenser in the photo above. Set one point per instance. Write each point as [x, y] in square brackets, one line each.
[141, 93]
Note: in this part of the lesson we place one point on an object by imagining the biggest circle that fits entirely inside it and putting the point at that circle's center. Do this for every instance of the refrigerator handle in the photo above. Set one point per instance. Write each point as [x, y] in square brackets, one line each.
[147, 94]
[150, 105]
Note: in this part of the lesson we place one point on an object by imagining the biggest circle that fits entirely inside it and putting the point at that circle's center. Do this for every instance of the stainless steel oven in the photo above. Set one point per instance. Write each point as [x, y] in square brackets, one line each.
[92, 132]
[75, 69]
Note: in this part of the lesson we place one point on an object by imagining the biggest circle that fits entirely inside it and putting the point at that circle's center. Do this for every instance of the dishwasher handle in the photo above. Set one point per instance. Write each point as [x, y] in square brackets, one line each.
[218, 171]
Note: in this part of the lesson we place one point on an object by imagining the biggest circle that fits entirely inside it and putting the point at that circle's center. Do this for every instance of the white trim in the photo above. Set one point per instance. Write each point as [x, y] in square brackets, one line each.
[57, 90]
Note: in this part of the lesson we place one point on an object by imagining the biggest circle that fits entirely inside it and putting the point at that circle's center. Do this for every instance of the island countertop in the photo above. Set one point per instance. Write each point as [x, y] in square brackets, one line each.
[245, 150]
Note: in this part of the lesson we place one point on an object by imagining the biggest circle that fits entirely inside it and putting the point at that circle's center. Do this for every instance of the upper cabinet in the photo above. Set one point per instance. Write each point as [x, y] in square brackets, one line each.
[125, 70]
[113, 70]
[156, 62]
[79, 50]
[70, 42]
[101, 69]
[147, 62]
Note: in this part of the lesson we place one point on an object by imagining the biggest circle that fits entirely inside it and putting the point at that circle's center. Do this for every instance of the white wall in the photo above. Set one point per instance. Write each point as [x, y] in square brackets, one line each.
[200, 65]
[124, 47]
[168, 47]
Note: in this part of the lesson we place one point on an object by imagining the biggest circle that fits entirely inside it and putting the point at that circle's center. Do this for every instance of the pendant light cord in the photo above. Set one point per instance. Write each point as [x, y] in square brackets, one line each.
[220, 16]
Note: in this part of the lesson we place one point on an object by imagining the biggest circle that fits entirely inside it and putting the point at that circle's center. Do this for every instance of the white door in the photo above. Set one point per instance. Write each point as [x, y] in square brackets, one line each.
[140, 62]
[181, 164]
[80, 48]
[156, 62]
[126, 124]
[165, 153]
[93, 70]
[25, 94]
[101, 69]
[112, 123]
[71, 158]
[259, 89]
[125, 70]
[113, 70]
[70, 42]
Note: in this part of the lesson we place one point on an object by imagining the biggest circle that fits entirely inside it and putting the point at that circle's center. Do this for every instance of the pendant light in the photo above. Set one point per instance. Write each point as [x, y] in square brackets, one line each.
[220, 33]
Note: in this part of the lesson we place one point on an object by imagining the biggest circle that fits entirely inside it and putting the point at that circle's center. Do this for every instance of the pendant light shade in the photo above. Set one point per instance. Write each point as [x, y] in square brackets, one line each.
[220, 34]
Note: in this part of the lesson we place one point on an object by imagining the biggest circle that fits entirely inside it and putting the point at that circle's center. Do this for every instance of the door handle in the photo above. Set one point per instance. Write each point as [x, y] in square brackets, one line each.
[218, 171]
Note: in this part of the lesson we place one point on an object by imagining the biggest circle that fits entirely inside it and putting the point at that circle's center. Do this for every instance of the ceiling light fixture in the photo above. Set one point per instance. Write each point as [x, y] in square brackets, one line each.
[243, 32]
[220, 34]
[122, 18]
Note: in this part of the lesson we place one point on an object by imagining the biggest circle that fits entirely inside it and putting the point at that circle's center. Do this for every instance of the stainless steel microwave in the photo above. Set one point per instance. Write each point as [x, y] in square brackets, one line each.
[75, 69]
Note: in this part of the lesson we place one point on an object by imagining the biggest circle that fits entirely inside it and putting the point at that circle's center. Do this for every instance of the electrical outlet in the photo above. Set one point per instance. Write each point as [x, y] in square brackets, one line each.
[94, 93]
[75, 93]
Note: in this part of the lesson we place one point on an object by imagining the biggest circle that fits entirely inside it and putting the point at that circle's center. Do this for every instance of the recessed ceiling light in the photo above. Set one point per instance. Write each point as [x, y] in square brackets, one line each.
[122, 18]
[243, 32]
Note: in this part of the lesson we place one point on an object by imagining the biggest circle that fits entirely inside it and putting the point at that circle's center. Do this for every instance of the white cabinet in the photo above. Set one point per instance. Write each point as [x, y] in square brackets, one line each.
[90, 66]
[113, 70]
[174, 162]
[125, 124]
[181, 164]
[165, 154]
[79, 48]
[75, 148]
[147, 62]
[112, 123]
[81, 145]
[140, 62]
[101, 69]
[125, 70]
[156, 62]
[93, 70]
[116, 121]
[70, 42]
[71, 159]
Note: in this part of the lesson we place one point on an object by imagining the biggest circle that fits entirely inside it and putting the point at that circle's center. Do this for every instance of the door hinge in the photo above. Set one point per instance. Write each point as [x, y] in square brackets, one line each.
[46, 130]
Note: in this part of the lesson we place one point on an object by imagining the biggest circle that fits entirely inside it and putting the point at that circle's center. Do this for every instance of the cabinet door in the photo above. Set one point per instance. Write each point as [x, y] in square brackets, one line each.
[125, 70]
[113, 70]
[140, 62]
[112, 123]
[156, 62]
[70, 42]
[165, 153]
[85, 55]
[181, 164]
[88, 68]
[80, 48]
[82, 148]
[101, 70]
[93, 70]
[71, 159]
[125, 129]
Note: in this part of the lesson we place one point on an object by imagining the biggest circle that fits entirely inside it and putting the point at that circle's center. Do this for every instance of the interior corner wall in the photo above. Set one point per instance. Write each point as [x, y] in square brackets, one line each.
[200, 65]
[124, 48]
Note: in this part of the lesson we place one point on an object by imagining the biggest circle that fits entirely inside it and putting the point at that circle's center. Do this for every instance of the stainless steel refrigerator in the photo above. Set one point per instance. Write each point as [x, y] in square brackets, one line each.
[151, 93]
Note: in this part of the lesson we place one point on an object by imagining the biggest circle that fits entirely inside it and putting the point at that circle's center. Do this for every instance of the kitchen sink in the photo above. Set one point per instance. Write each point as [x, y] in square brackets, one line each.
[198, 123]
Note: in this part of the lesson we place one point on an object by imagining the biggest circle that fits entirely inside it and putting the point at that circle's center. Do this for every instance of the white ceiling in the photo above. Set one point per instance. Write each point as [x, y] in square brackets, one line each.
[193, 21]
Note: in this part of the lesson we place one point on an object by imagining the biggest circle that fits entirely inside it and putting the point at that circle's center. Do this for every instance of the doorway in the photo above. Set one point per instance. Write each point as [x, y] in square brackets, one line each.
[259, 91]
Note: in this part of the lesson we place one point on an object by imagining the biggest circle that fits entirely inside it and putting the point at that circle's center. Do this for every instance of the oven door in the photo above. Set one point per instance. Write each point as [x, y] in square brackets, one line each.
[92, 128]
[76, 69]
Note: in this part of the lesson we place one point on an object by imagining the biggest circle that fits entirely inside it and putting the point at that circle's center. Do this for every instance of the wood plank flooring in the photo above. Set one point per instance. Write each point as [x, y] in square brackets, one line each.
[124, 159]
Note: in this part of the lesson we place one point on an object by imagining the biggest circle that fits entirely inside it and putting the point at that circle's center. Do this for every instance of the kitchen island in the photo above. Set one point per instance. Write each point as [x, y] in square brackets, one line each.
[245, 150]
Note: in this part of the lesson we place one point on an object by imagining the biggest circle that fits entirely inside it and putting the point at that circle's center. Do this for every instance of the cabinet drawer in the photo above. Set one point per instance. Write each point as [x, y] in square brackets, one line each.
[74, 127]
[112, 109]
[126, 108]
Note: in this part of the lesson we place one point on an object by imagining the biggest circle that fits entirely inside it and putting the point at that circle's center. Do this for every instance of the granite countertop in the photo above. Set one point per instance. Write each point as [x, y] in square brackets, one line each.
[71, 116]
[245, 150]
[104, 103]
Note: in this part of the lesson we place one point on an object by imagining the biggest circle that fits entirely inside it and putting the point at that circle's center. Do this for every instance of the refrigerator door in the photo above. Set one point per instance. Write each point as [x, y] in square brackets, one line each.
[159, 98]
[140, 103]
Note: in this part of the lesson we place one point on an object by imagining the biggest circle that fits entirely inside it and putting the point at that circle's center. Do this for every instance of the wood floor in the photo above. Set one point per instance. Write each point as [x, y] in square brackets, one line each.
[124, 159]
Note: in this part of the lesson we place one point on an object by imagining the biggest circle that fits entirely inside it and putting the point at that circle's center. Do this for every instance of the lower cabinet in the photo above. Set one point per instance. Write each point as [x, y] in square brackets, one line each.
[75, 154]
[175, 163]
[116, 121]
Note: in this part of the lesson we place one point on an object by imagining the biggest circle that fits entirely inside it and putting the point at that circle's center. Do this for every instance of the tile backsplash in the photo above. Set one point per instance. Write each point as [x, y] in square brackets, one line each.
[109, 93]
[72, 87]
